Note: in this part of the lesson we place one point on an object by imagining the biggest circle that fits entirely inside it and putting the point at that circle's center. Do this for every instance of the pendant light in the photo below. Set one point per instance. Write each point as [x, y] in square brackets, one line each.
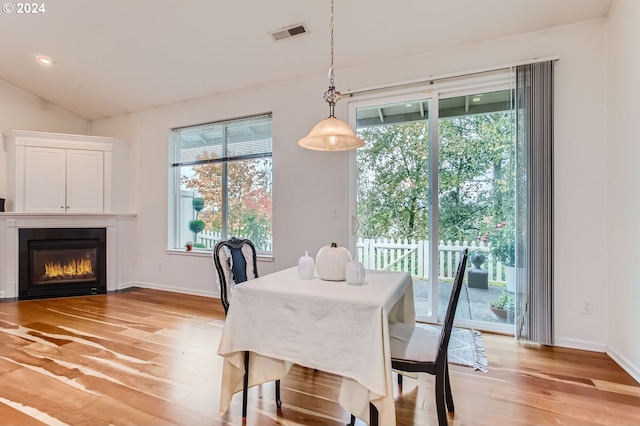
[331, 134]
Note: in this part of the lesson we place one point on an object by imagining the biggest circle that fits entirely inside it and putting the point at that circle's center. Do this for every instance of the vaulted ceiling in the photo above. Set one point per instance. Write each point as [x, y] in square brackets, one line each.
[117, 56]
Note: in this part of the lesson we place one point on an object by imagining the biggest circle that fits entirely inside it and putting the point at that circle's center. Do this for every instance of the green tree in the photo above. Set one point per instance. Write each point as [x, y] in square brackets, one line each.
[476, 172]
[393, 177]
[249, 195]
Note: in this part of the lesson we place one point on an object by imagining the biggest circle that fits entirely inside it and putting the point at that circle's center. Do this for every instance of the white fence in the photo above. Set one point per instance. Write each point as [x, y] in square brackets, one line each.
[209, 239]
[404, 255]
[413, 256]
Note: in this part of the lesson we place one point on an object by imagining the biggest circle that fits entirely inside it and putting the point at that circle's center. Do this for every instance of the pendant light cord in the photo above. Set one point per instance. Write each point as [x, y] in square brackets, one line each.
[332, 95]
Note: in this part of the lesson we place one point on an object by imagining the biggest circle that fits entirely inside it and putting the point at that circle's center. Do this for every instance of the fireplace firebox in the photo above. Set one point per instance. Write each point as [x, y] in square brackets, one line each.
[58, 262]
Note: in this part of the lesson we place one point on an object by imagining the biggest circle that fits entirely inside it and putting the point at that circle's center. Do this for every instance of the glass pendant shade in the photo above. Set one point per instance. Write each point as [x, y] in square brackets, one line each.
[331, 134]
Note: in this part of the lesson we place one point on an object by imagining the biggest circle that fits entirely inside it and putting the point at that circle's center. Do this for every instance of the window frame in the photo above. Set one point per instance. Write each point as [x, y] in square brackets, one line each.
[176, 167]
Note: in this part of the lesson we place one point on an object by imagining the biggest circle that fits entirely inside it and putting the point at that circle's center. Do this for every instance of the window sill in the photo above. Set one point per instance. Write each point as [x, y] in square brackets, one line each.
[207, 253]
[183, 252]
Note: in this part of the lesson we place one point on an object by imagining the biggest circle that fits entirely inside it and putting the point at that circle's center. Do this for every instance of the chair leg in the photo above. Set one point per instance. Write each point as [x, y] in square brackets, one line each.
[373, 415]
[447, 390]
[400, 381]
[245, 385]
[278, 400]
[440, 407]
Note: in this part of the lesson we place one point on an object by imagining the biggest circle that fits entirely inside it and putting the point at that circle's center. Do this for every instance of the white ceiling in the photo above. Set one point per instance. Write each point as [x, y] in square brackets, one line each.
[118, 56]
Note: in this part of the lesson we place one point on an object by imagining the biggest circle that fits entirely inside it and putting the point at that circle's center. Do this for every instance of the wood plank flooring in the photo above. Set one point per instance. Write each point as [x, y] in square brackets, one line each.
[148, 357]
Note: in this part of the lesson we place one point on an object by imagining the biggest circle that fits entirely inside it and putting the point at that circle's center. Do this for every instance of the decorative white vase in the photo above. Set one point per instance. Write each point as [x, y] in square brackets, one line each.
[306, 267]
[354, 273]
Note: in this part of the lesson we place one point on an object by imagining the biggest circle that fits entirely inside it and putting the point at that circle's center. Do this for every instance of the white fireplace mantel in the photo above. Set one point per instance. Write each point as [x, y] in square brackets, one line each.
[120, 244]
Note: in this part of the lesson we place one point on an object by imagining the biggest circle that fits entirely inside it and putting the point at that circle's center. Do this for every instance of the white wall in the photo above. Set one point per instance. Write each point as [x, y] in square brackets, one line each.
[308, 185]
[20, 110]
[623, 175]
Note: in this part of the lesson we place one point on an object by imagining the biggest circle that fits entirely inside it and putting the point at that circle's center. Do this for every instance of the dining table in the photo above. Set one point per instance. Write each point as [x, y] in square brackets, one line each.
[331, 326]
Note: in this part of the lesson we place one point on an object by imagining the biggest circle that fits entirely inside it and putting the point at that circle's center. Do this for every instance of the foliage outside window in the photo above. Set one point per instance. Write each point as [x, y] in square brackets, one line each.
[393, 177]
[223, 171]
[502, 242]
[476, 178]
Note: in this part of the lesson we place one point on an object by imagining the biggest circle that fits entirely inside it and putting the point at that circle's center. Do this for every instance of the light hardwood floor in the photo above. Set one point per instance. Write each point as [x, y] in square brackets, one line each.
[148, 357]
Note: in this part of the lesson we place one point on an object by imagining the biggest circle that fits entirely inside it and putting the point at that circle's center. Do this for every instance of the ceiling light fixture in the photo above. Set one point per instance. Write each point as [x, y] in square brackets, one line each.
[44, 60]
[331, 134]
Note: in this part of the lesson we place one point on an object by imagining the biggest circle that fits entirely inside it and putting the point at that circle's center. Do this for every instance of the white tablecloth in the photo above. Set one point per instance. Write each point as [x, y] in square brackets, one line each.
[325, 325]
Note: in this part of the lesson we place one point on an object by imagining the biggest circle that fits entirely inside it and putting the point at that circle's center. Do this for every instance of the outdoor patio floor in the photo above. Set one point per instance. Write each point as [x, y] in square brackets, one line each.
[472, 305]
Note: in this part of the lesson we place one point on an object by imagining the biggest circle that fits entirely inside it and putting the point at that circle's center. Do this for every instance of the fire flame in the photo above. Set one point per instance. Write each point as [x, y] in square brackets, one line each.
[73, 268]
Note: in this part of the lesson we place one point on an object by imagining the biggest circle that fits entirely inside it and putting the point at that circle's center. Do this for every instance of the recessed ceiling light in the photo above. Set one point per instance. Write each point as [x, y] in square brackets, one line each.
[476, 99]
[408, 105]
[44, 60]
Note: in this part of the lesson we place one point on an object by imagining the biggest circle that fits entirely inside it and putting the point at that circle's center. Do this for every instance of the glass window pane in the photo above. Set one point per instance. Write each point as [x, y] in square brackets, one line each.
[250, 136]
[249, 201]
[202, 183]
[476, 199]
[392, 192]
[201, 143]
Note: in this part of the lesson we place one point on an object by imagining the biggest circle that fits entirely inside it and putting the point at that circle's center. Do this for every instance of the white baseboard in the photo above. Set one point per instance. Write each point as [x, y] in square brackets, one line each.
[125, 285]
[585, 345]
[184, 290]
[622, 361]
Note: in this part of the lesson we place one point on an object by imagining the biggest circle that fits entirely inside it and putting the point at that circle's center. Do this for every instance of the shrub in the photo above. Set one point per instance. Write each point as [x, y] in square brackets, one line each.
[504, 301]
[197, 204]
[196, 225]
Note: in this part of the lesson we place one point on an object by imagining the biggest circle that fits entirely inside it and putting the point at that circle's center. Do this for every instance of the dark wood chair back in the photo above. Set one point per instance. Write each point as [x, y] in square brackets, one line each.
[449, 316]
[236, 262]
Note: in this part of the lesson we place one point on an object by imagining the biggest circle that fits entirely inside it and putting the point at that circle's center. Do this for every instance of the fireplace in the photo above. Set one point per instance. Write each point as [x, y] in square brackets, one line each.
[57, 262]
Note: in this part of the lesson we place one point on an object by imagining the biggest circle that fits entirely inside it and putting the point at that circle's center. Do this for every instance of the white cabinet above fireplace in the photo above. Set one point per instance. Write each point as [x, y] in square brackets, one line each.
[63, 180]
[58, 173]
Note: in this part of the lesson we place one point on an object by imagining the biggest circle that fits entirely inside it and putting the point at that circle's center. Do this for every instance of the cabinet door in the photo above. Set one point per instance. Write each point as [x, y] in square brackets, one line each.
[45, 177]
[85, 181]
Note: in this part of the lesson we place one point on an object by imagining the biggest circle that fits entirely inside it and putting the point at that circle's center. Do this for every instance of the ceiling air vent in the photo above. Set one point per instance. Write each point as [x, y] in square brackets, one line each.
[288, 32]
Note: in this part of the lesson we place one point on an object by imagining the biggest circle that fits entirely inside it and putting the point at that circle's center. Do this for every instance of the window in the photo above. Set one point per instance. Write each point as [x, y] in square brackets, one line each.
[222, 181]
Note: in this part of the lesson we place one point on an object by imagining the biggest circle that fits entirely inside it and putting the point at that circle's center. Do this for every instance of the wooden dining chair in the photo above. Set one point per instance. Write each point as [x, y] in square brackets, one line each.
[236, 262]
[414, 349]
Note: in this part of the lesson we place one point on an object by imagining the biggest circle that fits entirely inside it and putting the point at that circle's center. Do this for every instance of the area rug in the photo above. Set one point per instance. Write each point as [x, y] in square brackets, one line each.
[465, 347]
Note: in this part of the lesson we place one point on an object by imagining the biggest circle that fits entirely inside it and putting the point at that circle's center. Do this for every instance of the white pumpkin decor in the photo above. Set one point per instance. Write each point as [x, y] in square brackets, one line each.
[306, 267]
[355, 273]
[331, 262]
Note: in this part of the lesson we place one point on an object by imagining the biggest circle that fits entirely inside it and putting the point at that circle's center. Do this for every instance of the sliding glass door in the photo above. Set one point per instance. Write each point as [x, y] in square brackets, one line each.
[459, 146]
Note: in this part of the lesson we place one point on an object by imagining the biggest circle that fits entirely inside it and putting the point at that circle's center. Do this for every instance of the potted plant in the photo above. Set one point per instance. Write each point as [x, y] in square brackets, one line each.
[196, 226]
[503, 304]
